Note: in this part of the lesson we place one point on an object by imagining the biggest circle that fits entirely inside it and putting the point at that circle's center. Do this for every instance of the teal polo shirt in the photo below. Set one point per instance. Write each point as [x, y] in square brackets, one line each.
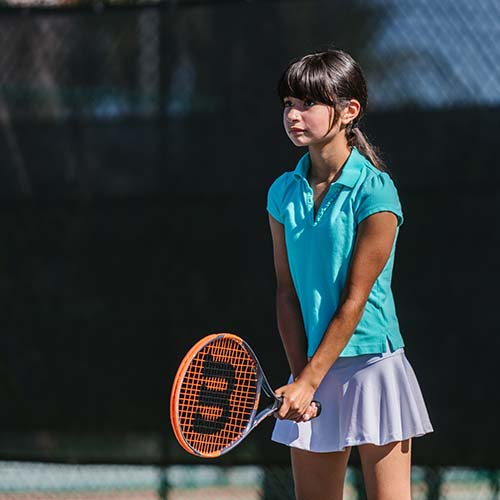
[320, 248]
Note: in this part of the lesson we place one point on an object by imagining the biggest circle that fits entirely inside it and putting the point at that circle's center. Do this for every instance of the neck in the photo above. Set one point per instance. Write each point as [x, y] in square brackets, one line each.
[328, 159]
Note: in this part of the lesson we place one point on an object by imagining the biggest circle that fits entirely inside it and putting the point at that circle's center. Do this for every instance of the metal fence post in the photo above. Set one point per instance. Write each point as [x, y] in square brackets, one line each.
[434, 481]
[359, 483]
[278, 483]
[163, 487]
[494, 479]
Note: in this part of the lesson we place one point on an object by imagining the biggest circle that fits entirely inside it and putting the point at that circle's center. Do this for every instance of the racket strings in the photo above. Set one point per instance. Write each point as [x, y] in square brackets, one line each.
[218, 395]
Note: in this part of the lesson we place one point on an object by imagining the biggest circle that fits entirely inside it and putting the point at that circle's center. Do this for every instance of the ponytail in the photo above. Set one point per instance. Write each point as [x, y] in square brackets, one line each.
[356, 138]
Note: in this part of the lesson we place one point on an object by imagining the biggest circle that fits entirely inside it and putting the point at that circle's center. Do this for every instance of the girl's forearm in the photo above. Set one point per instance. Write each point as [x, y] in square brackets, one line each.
[336, 337]
[291, 328]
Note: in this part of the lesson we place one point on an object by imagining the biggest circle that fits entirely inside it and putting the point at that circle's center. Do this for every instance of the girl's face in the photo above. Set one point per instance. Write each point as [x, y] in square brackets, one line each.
[307, 123]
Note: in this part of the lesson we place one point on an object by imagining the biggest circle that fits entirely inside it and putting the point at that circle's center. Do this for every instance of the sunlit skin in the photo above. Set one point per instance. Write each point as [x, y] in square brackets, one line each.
[307, 122]
[386, 468]
[313, 124]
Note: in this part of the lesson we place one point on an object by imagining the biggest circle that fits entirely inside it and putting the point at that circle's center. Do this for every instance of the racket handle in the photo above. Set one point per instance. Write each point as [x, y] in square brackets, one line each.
[279, 401]
[318, 407]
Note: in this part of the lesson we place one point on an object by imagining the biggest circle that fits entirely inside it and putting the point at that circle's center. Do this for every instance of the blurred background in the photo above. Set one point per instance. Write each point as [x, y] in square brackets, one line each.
[137, 144]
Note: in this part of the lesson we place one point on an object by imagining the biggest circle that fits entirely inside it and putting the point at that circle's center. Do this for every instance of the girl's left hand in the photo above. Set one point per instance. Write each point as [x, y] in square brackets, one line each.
[296, 404]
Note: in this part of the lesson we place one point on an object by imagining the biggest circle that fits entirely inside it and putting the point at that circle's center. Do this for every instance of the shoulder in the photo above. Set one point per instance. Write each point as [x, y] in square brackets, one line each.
[281, 184]
[376, 193]
[288, 179]
[375, 180]
[276, 194]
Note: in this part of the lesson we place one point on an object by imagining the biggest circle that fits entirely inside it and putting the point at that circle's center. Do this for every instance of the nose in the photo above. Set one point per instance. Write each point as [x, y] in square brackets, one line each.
[293, 115]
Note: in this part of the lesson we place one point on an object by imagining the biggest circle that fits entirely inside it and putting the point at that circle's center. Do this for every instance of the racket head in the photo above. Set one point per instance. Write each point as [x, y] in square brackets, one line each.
[215, 395]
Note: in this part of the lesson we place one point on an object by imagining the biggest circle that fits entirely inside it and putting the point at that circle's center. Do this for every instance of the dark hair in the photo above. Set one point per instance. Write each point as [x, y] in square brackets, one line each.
[331, 77]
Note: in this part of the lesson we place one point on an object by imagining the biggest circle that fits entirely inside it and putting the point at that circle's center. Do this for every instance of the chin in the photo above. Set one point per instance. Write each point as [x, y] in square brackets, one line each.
[299, 143]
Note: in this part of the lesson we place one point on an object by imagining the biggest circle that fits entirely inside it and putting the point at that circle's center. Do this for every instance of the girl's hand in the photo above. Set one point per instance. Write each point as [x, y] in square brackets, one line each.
[296, 404]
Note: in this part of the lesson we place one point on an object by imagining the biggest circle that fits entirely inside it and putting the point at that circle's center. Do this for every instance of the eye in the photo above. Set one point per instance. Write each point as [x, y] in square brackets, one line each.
[287, 103]
[309, 103]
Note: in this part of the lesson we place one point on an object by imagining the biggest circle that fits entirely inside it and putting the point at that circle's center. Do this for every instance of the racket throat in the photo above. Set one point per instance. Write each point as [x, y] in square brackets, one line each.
[264, 413]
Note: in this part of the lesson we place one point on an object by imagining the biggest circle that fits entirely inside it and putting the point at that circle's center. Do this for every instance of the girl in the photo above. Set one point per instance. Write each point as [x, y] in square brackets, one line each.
[334, 222]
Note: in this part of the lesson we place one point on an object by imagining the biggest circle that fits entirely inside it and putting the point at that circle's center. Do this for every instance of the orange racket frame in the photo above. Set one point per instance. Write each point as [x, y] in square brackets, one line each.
[216, 394]
[191, 393]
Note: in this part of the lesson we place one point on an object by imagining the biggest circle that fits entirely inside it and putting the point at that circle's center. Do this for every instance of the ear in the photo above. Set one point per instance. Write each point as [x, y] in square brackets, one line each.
[350, 111]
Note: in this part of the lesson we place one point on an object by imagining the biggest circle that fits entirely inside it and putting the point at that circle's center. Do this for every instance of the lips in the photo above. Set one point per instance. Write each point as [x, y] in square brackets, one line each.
[295, 130]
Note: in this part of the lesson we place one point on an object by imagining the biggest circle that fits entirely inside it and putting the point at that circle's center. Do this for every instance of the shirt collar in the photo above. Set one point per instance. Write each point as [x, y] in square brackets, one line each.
[348, 176]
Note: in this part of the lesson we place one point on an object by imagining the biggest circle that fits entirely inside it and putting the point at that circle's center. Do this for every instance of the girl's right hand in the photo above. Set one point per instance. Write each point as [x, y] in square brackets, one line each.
[310, 413]
[296, 402]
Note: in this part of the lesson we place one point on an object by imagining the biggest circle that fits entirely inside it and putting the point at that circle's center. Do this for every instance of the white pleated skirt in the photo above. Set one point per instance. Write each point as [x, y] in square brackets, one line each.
[372, 398]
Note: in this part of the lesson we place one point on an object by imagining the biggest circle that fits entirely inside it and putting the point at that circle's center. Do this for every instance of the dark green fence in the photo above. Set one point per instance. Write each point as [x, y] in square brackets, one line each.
[137, 146]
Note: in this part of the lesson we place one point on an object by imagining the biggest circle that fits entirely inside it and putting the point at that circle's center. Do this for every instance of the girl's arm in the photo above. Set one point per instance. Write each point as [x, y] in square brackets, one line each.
[290, 323]
[372, 249]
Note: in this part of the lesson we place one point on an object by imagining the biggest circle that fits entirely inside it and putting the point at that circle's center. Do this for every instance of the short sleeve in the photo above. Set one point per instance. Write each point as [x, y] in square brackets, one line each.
[378, 194]
[275, 197]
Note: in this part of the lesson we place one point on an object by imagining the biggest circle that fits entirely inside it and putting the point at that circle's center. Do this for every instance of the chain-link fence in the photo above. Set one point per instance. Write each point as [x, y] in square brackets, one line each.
[155, 76]
[118, 102]
[182, 58]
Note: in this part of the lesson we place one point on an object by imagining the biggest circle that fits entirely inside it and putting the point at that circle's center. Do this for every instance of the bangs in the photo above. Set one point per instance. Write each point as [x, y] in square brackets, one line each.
[307, 79]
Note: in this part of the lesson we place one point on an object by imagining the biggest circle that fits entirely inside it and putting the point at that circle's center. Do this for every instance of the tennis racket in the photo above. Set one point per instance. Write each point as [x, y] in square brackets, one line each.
[216, 393]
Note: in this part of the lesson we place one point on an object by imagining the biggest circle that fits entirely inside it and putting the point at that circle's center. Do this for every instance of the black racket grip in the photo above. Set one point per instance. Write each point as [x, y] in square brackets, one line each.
[316, 403]
[318, 408]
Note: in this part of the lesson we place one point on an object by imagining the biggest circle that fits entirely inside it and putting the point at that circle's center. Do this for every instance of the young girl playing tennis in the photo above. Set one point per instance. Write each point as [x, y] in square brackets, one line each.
[334, 223]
